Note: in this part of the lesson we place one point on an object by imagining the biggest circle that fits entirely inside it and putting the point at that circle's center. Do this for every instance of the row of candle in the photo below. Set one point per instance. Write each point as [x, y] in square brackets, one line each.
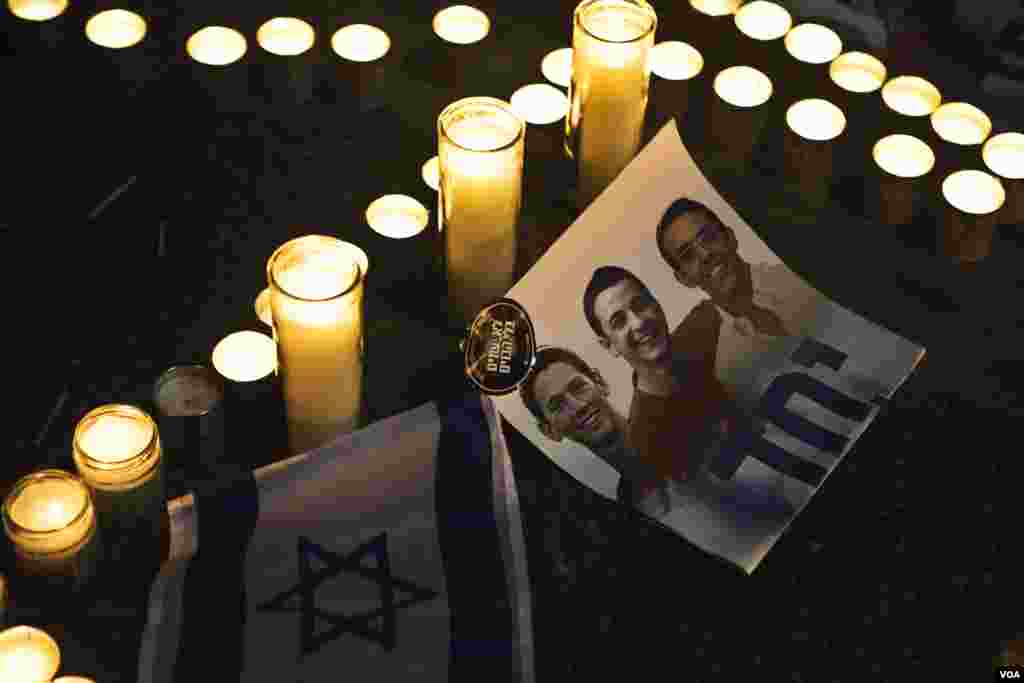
[282, 36]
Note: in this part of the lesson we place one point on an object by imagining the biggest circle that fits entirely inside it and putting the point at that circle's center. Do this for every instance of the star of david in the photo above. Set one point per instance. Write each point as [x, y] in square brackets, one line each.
[377, 625]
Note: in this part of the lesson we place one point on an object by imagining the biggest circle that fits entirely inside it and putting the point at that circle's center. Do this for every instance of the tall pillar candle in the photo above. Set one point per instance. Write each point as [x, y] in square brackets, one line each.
[27, 655]
[51, 522]
[117, 452]
[612, 41]
[317, 284]
[1004, 156]
[480, 156]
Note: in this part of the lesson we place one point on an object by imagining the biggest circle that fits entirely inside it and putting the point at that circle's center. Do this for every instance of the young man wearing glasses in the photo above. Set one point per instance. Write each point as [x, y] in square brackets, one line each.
[569, 399]
[756, 306]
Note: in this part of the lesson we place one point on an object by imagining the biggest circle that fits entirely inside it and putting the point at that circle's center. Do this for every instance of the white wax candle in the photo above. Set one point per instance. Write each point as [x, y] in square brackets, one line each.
[813, 44]
[397, 216]
[115, 29]
[903, 156]
[961, 123]
[1004, 155]
[245, 356]
[911, 96]
[360, 43]
[612, 40]
[216, 46]
[557, 66]
[857, 72]
[480, 151]
[73, 679]
[974, 192]
[285, 36]
[317, 302]
[37, 10]
[27, 655]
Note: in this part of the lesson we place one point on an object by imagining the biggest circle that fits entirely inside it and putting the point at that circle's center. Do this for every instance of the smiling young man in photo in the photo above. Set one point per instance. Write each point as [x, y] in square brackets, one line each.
[756, 307]
[681, 418]
[569, 399]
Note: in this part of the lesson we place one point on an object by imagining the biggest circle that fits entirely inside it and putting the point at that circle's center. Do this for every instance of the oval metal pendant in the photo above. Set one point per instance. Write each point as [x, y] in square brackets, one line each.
[501, 348]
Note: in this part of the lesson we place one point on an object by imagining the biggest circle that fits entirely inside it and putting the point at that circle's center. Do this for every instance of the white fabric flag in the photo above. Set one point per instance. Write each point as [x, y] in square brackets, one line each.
[345, 573]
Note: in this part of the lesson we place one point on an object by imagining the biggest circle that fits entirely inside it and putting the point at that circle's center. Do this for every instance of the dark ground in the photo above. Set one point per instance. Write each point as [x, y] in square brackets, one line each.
[904, 563]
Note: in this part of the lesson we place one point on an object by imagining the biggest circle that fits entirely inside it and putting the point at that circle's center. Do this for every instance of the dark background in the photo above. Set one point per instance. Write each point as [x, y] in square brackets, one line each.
[903, 564]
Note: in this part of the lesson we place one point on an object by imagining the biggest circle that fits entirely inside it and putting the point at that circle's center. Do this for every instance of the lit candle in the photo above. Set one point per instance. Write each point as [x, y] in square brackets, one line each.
[317, 285]
[285, 36]
[716, 8]
[611, 71]
[813, 124]
[431, 173]
[808, 48]
[903, 159]
[854, 77]
[115, 29]
[557, 66]
[216, 46]
[73, 679]
[736, 115]
[361, 68]
[37, 10]
[813, 44]
[857, 72]
[1004, 156]
[245, 356]
[292, 77]
[50, 520]
[480, 152]
[675, 64]
[117, 451]
[397, 216]
[360, 43]
[761, 20]
[973, 197]
[964, 127]
[539, 103]
[461, 24]
[262, 308]
[911, 96]
[27, 655]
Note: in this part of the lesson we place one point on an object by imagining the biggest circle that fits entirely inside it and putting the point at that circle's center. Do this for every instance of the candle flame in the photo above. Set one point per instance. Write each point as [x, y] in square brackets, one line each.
[540, 103]
[285, 36]
[115, 28]
[676, 61]
[813, 43]
[461, 24]
[37, 10]
[857, 72]
[743, 86]
[961, 123]
[216, 45]
[763, 20]
[974, 192]
[911, 96]
[360, 43]
[397, 216]
[557, 66]
[903, 156]
[245, 356]
[816, 119]
[431, 173]
[716, 8]
[1004, 155]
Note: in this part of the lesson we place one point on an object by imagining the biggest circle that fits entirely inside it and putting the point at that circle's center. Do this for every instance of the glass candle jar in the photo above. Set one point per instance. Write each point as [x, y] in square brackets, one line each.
[481, 142]
[317, 288]
[611, 70]
[117, 452]
[27, 655]
[51, 522]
